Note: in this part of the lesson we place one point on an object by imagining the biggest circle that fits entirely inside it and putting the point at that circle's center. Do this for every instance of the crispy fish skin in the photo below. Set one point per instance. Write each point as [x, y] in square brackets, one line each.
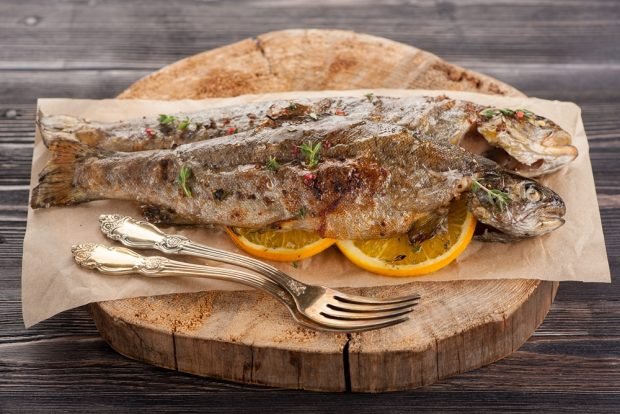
[373, 180]
[149, 133]
[362, 188]
[521, 142]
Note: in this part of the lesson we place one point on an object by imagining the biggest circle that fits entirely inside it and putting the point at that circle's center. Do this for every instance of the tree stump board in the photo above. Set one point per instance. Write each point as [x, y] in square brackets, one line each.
[248, 337]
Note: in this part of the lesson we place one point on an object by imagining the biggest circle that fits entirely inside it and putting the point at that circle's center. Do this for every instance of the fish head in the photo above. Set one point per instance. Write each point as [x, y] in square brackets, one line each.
[516, 206]
[536, 145]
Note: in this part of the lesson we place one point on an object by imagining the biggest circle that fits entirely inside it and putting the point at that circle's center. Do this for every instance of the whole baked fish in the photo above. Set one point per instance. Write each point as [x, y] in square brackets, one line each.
[339, 178]
[517, 139]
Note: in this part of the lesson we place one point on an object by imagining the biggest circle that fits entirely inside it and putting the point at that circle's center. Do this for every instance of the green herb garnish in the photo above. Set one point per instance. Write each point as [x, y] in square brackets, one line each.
[183, 179]
[491, 112]
[167, 119]
[295, 265]
[498, 198]
[312, 153]
[184, 123]
[370, 96]
[301, 213]
[292, 105]
[272, 164]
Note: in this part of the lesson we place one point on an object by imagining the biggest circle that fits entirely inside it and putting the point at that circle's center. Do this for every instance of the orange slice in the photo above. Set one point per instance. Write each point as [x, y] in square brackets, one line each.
[282, 246]
[397, 257]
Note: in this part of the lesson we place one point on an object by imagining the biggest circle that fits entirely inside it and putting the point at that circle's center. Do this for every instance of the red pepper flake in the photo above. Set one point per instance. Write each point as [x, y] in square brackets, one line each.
[150, 132]
[519, 114]
[309, 179]
[340, 112]
[327, 144]
[295, 150]
[231, 130]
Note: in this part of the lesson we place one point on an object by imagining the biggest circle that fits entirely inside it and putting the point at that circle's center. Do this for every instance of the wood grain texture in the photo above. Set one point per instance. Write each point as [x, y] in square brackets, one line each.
[561, 49]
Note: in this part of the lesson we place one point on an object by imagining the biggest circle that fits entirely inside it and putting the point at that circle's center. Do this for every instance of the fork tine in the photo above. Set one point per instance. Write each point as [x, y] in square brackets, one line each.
[357, 326]
[365, 316]
[371, 307]
[362, 300]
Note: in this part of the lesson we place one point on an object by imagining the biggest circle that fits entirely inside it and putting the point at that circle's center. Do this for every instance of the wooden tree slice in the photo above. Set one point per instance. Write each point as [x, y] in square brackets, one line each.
[249, 337]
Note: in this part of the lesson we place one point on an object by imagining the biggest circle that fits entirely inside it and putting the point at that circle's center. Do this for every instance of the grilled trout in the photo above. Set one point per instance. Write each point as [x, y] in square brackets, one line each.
[341, 178]
[518, 140]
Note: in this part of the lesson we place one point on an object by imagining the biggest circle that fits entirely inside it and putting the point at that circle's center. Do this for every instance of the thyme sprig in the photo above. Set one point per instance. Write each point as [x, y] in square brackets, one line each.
[184, 123]
[519, 113]
[173, 121]
[301, 213]
[312, 153]
[272, 164]
[185, 173]
[498, 198]
[167, 119]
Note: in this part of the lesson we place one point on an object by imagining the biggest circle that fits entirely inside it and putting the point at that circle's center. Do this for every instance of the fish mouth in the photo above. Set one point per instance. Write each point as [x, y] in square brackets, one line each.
[487, 233]
[552, 223]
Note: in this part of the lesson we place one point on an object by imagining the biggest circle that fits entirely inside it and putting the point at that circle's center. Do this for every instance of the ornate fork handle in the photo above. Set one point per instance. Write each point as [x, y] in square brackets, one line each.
[122, 261]
[144, 235]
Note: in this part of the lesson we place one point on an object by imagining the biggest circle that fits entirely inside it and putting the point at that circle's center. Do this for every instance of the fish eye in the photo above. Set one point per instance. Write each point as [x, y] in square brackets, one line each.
[532, 194]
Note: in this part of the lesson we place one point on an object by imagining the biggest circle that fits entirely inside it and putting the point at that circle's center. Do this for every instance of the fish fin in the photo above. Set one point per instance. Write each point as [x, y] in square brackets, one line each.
[56, 181]
[428, 225]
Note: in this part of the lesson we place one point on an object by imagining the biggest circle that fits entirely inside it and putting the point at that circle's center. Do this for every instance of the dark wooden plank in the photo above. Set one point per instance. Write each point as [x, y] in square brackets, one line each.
[20, 89]
[59, 34]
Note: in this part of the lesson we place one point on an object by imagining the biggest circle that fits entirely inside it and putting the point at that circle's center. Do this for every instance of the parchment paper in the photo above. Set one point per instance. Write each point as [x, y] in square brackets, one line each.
[52, 282]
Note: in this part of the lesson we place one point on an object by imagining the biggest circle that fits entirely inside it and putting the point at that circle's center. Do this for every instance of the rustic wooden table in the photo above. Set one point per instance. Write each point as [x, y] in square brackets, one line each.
[568, 50]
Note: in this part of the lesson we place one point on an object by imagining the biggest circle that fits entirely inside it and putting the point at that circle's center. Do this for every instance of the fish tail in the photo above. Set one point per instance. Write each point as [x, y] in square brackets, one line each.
[56, 127]
[57, 184]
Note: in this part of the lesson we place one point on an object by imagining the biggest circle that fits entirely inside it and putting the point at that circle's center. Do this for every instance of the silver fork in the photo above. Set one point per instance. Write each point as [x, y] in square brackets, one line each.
[122, 261]
[323, 305]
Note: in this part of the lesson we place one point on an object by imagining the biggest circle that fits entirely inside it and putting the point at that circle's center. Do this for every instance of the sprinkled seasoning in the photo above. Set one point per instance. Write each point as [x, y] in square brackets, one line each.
[517, 113]
[309, 179]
